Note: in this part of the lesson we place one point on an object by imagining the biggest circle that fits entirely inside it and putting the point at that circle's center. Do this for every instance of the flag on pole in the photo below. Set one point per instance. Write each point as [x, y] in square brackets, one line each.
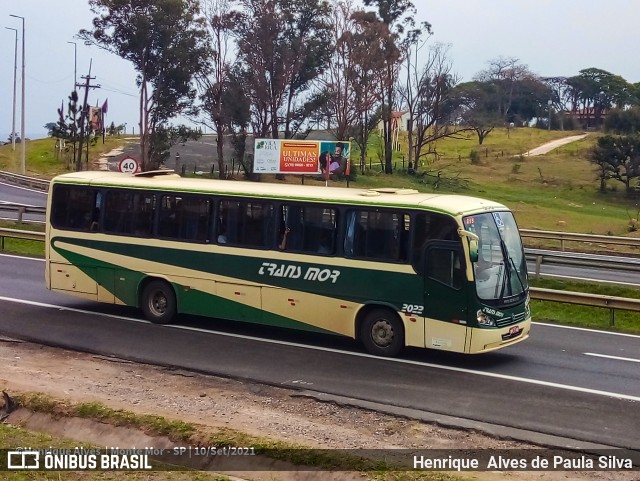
[327, 166]
[105, 106]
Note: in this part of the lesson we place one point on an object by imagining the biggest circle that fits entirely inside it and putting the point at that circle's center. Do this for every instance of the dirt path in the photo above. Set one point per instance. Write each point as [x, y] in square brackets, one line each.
[216, 402]
[554, 144]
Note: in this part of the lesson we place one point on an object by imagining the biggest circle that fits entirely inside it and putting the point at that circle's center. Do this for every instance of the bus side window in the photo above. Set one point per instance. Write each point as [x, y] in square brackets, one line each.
[194, 220]
[244, 223]
[73, 207]
[380, 235]
[170, 216]
[443, 265]
[311, 229]
[429, 227]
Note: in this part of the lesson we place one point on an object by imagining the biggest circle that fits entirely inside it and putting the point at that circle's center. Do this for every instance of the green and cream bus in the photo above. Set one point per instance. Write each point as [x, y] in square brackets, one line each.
[388, 267]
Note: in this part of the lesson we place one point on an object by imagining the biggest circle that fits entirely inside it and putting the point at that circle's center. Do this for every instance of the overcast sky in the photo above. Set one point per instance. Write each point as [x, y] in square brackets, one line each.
[551, 37]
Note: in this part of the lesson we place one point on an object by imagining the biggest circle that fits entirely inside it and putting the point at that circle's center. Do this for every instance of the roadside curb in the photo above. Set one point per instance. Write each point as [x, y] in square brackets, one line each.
[493, 430]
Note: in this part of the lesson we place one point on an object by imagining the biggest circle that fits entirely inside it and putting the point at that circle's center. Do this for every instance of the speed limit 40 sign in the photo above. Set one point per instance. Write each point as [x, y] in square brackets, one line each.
[128, 165]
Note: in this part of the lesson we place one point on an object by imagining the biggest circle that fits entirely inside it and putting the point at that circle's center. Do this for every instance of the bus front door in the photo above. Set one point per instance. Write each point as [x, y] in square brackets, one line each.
[445, 297]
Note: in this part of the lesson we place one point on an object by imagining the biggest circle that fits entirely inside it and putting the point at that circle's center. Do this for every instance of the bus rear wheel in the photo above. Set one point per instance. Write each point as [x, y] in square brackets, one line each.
[382, 333]
[158, 302]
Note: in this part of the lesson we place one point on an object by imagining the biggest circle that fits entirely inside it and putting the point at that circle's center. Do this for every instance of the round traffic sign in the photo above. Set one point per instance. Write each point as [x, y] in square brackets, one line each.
[128, 165]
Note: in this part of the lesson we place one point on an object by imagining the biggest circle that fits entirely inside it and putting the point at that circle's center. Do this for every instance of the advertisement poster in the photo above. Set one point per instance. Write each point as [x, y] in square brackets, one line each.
[95, 119]
[277, 156]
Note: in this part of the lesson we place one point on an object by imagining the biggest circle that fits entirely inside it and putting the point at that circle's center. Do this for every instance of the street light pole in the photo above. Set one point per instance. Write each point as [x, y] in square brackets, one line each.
[549, 102]
[75, 64]
[15, 76]
[23, 155]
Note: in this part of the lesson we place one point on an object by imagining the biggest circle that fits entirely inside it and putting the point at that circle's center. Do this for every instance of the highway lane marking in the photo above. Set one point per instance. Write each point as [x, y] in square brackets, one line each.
[338, 351]
[587, 330]
[537, 323]
[23, 188]
[23, 257]
[617, 358]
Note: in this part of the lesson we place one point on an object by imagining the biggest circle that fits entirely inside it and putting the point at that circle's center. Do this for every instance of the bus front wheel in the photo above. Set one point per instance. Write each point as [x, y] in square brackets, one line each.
[159, 302]
[382, 333]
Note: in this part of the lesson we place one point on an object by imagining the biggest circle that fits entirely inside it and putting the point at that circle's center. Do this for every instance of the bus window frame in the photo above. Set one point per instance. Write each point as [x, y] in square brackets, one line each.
[216, 225]
[160, 194]
[281, 222]
[403, 215]
[89, 229]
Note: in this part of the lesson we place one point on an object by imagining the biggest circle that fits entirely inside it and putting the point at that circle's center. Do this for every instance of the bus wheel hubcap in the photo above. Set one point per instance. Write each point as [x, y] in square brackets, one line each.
[382, 333]
[159, 303]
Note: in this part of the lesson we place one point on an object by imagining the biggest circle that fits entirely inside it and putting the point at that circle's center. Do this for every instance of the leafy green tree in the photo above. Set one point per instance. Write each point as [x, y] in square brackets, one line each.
[621, 121]
[236, 112]
[282, 46]
[164, 137]
[618, 158]
[166, 42]
[507, 76]
[595, 92]
[68, 127]
[478, 107]
[634, 92]
[530, 100]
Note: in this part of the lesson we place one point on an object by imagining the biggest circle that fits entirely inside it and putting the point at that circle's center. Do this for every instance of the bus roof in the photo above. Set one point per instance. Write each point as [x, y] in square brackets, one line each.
[452, 204]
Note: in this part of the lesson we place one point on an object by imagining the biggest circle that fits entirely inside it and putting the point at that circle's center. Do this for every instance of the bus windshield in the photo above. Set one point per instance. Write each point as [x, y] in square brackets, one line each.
[501, 270]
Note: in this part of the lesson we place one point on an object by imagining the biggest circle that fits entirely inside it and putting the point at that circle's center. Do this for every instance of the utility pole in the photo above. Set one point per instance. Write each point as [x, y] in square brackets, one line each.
[23, 154]
[15, 76]
[75, 63]
[84, 115]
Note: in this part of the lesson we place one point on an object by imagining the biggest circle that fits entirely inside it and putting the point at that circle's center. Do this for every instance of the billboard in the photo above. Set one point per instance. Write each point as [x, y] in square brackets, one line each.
[95, 119]
[288, 156]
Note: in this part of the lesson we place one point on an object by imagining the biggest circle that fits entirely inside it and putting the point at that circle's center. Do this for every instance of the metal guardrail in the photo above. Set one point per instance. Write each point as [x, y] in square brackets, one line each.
[594, 300]
[22, 209]
[570, 236]
[19, 234]
[32, 182]
[618, 263]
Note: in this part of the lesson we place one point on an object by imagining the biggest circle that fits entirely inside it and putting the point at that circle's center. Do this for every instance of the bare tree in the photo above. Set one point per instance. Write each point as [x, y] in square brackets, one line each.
[352, 81]
[220, 21]
[336, 80]
[560, 96]
[366, 44]
[398, 16]
[433, 108]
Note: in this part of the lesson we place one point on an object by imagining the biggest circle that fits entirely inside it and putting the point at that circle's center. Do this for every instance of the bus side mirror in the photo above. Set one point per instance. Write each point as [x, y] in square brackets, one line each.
[473, 250]
[474, 241]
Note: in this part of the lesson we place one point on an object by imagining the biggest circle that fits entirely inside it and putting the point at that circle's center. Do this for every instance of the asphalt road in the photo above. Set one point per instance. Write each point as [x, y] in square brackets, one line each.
[19, 195]
[578, 384]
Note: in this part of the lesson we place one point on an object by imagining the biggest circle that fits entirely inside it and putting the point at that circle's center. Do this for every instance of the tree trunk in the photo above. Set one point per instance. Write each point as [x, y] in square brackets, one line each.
[388, 132]
[219, 147]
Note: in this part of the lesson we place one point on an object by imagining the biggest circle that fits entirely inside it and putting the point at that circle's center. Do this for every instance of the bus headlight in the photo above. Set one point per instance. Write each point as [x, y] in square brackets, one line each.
[484, 320]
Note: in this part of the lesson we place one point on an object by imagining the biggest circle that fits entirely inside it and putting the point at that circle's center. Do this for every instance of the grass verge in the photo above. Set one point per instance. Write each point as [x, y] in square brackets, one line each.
[23, 247]
[195, 435]
[586, 316]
